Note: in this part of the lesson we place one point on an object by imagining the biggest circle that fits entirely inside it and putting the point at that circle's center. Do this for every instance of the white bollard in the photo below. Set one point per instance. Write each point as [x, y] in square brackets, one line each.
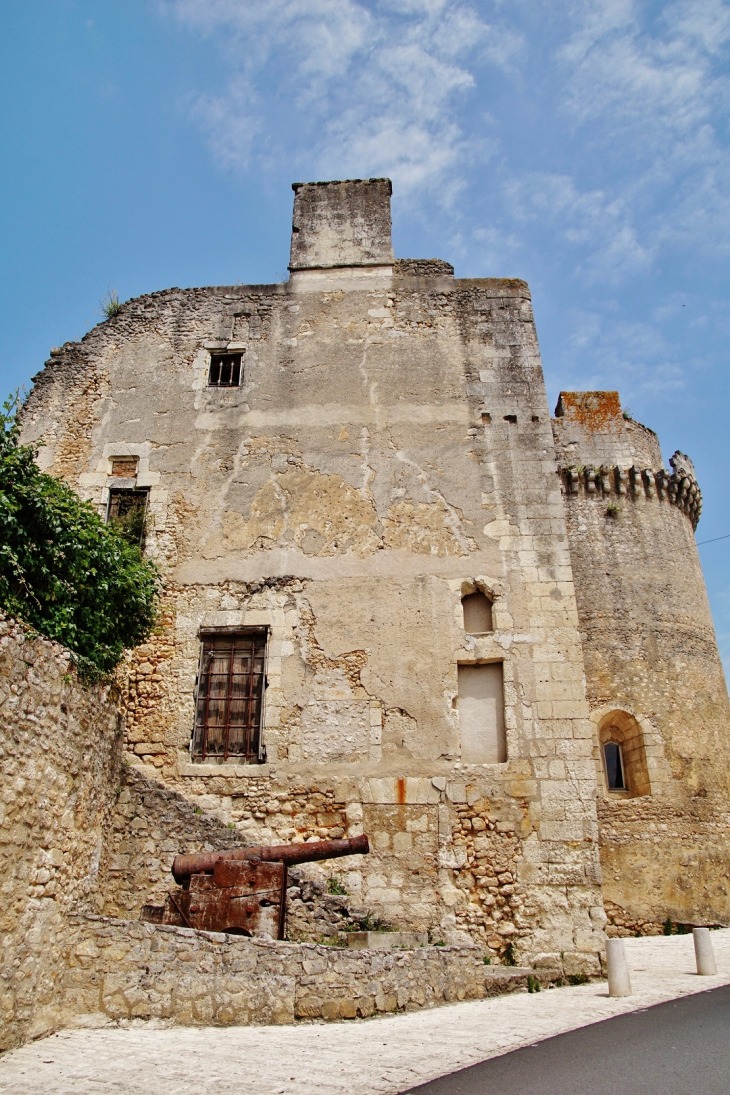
[619, 982]
[706, 965]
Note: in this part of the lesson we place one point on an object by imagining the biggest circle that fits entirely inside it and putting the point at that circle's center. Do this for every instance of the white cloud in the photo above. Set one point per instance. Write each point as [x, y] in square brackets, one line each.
[345, 88]
[407, 88]
[652, 98]
[591, 224]
[605, 351]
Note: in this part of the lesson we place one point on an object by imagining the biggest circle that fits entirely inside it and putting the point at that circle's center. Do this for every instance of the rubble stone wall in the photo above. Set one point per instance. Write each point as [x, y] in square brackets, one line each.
[127, 970]
[150, 824]
[60, 757]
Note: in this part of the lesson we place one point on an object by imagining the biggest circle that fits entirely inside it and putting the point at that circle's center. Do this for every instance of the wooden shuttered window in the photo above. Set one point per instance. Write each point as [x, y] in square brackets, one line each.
[229, 704]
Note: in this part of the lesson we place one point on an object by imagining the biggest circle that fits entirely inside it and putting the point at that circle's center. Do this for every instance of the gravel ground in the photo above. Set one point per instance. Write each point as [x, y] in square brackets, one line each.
[368, 1057]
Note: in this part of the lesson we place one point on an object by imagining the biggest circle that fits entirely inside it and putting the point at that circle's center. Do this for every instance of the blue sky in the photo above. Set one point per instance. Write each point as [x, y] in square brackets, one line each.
[580, 145]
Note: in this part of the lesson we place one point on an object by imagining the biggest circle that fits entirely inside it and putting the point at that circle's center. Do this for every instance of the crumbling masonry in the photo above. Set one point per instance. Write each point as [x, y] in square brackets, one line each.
[482, 635]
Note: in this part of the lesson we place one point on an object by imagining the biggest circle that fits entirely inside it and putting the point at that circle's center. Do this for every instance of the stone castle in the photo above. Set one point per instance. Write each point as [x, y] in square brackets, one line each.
[400, 598]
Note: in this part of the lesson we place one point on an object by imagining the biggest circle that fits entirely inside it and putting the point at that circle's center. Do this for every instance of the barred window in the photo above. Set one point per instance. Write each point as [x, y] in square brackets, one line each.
[225, 371]
[229, 705]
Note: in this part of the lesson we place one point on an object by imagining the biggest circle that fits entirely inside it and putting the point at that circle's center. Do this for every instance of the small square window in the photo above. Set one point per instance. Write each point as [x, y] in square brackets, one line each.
[225, 371]
[477, 609]
[124, 467]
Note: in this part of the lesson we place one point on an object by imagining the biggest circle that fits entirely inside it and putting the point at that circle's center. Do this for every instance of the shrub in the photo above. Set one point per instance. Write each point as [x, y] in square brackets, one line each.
[110, 304]
[62, 570]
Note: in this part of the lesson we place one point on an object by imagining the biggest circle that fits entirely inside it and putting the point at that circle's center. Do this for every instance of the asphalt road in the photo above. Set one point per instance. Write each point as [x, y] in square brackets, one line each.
[678, 1048]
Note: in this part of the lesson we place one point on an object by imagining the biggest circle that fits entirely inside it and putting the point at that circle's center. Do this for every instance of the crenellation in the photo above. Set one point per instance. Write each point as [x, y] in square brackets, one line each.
[636, 483]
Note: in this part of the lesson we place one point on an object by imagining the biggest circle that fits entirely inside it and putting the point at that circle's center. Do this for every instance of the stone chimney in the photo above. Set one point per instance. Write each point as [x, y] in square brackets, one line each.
[342, 229]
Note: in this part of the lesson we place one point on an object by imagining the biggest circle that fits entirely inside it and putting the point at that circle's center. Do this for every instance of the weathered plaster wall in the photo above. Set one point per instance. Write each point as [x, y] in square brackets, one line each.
[388, 450]
[60, 755]
[650, 651]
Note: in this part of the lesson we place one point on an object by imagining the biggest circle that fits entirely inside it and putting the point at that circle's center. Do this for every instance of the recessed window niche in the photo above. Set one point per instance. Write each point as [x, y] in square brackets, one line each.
[477, 609]
[481, 714]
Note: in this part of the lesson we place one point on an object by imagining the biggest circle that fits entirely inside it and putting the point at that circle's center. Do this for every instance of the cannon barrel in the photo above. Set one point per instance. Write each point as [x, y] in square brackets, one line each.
[183, 866]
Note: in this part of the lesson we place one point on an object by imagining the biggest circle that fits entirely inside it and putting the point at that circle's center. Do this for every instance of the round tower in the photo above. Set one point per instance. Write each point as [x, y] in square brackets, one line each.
[655, 683]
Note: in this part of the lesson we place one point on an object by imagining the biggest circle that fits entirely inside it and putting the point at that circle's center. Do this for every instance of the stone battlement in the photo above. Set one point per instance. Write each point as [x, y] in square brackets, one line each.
[678, 487]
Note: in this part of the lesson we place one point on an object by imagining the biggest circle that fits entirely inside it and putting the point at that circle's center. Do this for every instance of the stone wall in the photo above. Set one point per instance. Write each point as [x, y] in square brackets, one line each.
[60, 755]
[341, 224]
[127, 970]
[387, 452]
[150, 824]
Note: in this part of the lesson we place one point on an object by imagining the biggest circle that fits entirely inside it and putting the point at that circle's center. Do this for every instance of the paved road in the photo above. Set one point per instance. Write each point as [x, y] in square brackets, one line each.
[678, 1048]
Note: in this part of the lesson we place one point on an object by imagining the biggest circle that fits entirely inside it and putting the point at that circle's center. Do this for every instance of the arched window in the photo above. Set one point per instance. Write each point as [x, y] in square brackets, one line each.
[477, 610]
[624, 755]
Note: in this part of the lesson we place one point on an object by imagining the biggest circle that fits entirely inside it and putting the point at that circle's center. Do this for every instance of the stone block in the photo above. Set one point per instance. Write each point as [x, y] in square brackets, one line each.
[386, 941]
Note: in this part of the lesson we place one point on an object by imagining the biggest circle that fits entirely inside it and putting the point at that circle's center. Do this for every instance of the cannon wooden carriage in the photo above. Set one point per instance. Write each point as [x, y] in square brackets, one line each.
[242, 891]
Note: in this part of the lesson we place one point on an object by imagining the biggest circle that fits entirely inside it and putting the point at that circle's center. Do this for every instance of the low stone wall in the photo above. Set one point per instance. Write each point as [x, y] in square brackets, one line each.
[60, 750]
[123, 969]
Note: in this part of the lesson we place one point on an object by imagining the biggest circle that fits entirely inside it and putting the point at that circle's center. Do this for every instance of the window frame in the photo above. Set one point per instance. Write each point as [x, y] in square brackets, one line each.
[624, 788]
[622, 728]
[219, 354]
[253, 756]
[113, 491]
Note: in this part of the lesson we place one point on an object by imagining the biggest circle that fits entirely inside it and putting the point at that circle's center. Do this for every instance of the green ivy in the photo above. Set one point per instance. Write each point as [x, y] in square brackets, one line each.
[62, 570]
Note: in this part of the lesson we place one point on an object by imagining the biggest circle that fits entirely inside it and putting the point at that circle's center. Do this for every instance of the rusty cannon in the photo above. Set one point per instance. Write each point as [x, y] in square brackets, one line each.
[242, 891]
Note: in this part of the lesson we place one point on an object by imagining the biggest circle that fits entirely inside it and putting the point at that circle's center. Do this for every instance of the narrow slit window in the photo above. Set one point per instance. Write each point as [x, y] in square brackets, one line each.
[481, 714]
[127, 512]
[614, 766]
[225, 371]
[229, 705]
[477, 610]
